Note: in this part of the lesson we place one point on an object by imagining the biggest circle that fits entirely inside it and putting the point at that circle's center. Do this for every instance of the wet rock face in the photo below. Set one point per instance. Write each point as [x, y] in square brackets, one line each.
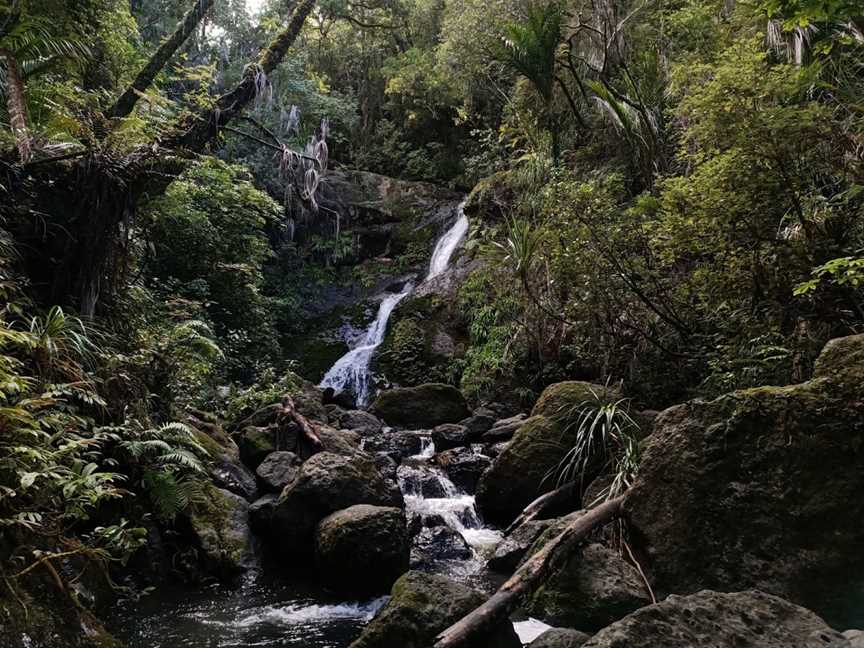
[422, 407]
[436, 543]
[421, 606]
[363, 549]
[595, 588]
[219, 522]
[327, 483]
[397, 445]
[762, 488]
[278, 470]
[560, 638]
[510, 551]
[463, 466]
[504, 429]
[450, 435]
[362, 422]
[750, 619]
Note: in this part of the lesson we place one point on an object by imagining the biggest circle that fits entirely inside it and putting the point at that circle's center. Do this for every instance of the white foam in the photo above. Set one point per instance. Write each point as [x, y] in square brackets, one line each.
[309, 614]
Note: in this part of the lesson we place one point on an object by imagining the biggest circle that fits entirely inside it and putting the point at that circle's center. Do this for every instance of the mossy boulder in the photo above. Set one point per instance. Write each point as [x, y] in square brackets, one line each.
[363, 549]
[256, 443]
[528, 465]
[762, 488]
[421, 407]
[593, 589]
[421, 606]
[327, 483]
[219, 521]
[750, 619]
[278, 470]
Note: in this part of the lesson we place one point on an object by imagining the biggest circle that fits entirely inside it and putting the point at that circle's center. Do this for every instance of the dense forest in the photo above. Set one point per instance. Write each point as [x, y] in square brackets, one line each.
[301, 299]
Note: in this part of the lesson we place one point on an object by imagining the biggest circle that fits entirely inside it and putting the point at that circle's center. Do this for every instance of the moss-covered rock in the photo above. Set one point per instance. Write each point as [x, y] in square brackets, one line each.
[363, 549]
[562, 401]
[422, 605]
[762, 488]
[593, 589]
[219, 521]
[421, 407]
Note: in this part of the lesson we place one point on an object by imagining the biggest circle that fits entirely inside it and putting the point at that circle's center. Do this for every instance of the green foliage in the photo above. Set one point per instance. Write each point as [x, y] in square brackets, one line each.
[845, 271]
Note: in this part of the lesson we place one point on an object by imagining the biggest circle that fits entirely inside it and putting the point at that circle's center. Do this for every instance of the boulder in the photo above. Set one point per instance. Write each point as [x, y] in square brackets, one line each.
[527, 466]
[219, 521]
[363, 422]
[510, 551]
[560, 638]
[424, 406]
[480, 422]
[363, 549]
[422, 605]
[855, 638]
[762, 488]
[261, 512]
[419, 480]
[397, 445]
[225, 467]
[344, 442]
[439, 542]
[256, 443]
[593, 589]
[463, 466]
[327, 483]
[278, 470]
[750, 619]
[450, 435]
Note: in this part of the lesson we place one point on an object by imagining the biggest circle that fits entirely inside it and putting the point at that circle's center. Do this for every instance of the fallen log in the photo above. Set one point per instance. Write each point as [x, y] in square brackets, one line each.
[544, 503]
[289, 412]
[464, 633]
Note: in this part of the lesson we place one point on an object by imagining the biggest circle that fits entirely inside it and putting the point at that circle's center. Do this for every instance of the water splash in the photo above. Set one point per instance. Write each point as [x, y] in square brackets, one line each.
[351, 372]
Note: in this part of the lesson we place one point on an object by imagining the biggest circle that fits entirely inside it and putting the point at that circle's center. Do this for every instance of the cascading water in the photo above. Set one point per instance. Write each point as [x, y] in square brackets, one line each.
[351, 372]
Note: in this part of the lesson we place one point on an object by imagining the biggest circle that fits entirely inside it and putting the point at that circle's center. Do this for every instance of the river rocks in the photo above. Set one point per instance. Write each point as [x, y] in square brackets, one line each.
[504, 429]
[513, 548]
[422, 605]
[219, 521]
[255, 444]
[463, 466]
[327, 483]
[478, 424]
[424, 406]
[225, 467]
[560, 638]
[595, 588]
[397, 445]
[363, 549]
[762, 488]
[278, 470]
[450, 435]
[439, 542]
[261, 512]
[749, 619]
[362, 422]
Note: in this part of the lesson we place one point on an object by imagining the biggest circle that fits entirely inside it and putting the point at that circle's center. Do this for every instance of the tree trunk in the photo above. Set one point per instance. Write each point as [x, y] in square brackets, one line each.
[16, 105]
[465, 632]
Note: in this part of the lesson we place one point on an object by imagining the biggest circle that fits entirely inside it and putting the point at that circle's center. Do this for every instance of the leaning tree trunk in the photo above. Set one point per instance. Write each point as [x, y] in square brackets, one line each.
[16, 105]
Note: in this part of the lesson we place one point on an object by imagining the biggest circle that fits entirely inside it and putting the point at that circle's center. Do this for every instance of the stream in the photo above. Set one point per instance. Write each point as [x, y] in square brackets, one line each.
[266, 611]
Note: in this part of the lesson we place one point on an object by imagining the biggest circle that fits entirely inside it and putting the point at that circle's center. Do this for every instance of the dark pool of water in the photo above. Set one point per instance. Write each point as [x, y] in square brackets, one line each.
[260, 613]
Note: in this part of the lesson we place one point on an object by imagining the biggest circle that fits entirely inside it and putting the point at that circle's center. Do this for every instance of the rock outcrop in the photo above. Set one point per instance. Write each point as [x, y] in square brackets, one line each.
[422, 605]
[423, 407]
[527, 467]
[762, 488]
[363, 549]
[750, 619]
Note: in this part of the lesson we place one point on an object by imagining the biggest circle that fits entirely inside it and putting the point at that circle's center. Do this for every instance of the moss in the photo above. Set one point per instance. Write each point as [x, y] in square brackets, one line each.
[563, 400]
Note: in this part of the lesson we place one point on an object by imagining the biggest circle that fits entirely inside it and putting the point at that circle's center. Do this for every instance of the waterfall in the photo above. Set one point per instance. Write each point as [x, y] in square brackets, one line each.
[351, 372]
[447, 244]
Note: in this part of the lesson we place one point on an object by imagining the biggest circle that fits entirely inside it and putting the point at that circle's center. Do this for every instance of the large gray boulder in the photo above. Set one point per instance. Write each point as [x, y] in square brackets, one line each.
[422, 605]
[327, 483]
[423, 407]
[762, 488]
[593, 589]
[749, 619]
[219, 522]
[278, 470]
[363, 549]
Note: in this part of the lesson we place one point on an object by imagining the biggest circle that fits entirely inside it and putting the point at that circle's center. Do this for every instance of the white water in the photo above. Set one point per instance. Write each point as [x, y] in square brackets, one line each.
[447, 244]
[351, 371]
[529, 630]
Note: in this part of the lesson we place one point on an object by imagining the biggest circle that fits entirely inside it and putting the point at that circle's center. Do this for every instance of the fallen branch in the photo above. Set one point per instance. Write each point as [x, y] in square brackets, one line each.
[543, 503]
[465, 632]
[290, 412]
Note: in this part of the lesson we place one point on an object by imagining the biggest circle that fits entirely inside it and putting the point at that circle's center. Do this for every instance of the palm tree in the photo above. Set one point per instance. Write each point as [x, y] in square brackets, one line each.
[529, 48]
[27, 47]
